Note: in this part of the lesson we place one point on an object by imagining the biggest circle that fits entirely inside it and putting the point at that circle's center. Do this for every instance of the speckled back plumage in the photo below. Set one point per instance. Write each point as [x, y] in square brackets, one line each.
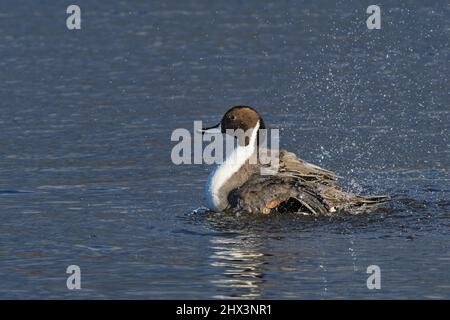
[298, 186]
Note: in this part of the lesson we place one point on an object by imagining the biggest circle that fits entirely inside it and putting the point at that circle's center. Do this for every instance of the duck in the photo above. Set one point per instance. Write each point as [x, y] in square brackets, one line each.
[240, 184]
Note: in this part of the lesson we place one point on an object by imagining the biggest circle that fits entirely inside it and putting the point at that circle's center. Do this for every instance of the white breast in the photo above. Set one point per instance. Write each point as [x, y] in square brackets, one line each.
[221, 173]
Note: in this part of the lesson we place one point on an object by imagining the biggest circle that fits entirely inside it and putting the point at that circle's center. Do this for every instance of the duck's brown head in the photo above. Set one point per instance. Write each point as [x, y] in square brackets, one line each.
[238, 120]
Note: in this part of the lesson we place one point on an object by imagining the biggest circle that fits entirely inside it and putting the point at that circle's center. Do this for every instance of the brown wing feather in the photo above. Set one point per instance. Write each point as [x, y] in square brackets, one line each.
[264, 193]
[290, 164]
[314, 187]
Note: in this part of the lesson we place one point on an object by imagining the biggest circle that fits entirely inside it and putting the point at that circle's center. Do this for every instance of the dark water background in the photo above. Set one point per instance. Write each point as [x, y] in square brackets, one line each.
[86, 119]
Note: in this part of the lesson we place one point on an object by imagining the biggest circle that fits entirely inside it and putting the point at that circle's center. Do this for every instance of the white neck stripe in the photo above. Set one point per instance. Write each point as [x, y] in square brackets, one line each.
[225, 171]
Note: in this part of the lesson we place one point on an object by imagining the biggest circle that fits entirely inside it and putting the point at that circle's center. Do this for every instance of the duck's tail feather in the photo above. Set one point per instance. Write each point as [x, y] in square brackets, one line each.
[371, 200]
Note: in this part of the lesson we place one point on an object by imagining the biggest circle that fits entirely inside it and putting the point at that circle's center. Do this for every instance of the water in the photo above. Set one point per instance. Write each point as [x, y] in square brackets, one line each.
[85, 170]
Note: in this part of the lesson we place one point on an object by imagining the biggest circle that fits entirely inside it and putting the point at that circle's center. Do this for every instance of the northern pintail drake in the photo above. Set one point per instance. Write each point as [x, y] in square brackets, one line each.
[238, 185]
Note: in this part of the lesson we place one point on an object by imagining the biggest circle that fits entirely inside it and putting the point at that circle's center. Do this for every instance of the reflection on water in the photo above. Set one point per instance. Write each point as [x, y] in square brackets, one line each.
[245, 255]
[242, 260]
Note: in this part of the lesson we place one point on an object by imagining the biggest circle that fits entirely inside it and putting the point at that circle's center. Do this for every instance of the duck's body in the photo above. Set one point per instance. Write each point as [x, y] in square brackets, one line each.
[239, 185]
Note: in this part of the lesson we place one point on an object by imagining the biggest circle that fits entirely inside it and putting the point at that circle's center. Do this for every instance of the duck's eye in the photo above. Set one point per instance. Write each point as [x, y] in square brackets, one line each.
[232, 117]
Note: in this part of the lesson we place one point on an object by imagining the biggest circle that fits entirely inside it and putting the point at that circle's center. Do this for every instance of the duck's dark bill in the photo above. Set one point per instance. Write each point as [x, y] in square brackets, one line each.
[212, 130]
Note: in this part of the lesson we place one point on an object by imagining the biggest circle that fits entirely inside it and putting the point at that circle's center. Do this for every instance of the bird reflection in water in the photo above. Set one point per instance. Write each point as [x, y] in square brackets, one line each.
[240, 250]
[244, 253]
[243, 261]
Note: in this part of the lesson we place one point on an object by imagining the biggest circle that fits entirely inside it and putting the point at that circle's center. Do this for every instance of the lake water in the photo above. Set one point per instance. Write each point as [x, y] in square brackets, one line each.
[86, 176]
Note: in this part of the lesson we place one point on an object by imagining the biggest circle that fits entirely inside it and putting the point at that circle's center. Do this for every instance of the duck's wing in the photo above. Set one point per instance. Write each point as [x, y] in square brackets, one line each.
[296, 186]
[264, 194]
[291, 165]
